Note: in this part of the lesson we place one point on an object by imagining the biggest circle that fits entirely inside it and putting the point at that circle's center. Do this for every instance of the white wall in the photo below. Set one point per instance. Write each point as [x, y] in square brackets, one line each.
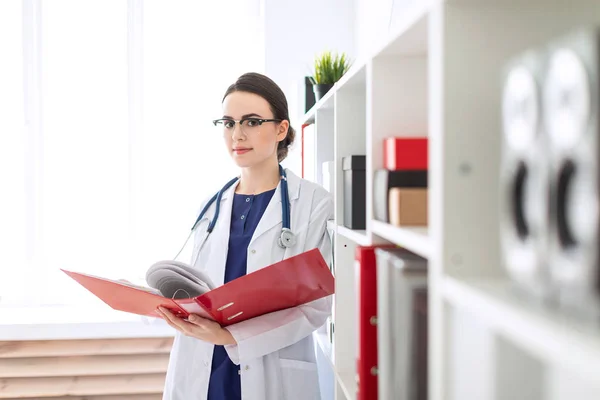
[372, 18]
[375, 20]
[294, 32]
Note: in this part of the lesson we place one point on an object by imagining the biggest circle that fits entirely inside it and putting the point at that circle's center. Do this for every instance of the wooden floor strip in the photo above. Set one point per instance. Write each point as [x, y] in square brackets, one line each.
[42, 388]
[83, 365]
[54, 348]
[157, 396]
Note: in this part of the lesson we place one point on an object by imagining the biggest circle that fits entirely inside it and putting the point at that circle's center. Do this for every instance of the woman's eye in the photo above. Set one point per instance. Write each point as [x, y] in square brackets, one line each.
[228, 124]
[253, 122]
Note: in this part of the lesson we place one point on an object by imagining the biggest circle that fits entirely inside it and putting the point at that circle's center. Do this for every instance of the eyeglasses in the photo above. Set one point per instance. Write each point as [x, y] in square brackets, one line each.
[248, 125]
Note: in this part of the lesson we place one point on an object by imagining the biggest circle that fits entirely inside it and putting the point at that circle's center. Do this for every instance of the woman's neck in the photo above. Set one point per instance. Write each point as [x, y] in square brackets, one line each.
[259, 178]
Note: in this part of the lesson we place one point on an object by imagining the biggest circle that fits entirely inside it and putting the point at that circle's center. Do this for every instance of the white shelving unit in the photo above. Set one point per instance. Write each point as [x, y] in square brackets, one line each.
[357, 236]
[551, 336]
[414, 238]
[439, 76]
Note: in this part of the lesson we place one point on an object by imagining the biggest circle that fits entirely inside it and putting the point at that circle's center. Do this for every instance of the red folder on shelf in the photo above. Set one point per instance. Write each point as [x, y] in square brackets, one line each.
[366, 297]
[294, 281]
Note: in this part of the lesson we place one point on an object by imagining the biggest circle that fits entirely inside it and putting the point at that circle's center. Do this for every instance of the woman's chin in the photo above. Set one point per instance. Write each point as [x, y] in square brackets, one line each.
[243, 161]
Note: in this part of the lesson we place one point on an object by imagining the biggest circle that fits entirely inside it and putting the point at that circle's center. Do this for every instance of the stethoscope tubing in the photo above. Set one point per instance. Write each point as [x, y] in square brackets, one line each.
[285, 211]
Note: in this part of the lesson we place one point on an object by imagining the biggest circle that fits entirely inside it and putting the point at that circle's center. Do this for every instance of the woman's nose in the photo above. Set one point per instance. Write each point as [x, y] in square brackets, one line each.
[237, 133]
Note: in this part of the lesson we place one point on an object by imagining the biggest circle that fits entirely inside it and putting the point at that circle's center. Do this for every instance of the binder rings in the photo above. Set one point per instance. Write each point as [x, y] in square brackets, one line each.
[294, 281]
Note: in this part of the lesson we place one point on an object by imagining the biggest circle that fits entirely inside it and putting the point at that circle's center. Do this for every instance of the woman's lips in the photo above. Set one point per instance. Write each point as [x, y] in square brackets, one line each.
[241, 151]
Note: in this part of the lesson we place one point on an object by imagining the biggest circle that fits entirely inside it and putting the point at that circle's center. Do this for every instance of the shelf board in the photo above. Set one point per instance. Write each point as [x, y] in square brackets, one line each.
[415, 239]
[554, 337]
[355, 77]
[347, 381]
[357, 236]
[326, 102]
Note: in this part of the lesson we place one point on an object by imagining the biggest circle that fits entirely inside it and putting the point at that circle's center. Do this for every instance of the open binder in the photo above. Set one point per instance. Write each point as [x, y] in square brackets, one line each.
[292, 282]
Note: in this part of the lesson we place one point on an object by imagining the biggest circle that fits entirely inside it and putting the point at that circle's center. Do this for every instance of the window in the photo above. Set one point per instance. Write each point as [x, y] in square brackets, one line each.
[106, 148]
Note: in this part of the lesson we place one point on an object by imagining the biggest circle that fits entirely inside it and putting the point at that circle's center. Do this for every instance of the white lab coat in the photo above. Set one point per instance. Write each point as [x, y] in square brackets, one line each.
[275, 351]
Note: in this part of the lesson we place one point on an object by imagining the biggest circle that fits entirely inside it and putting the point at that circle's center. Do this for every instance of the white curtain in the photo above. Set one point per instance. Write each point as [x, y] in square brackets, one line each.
[106, 144]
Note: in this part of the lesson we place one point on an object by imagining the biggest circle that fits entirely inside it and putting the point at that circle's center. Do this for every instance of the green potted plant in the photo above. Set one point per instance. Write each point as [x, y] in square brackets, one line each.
[328, 69]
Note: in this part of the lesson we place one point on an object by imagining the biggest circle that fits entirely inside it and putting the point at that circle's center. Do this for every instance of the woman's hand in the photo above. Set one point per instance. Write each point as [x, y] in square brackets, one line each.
[199, 328]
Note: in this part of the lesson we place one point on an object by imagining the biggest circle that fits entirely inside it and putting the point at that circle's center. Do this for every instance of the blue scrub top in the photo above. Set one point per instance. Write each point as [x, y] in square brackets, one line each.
[247, 210]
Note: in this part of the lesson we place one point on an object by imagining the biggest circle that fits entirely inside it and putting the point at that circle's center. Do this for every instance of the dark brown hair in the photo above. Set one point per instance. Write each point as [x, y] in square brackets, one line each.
[266, 88]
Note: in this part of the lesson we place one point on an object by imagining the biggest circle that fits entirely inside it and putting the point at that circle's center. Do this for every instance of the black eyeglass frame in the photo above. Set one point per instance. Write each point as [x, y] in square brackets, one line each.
[241, 121]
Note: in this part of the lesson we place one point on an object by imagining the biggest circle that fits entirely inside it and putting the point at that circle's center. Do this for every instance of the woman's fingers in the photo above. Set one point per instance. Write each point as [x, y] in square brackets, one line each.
[199, 321]
[187, 328]
[168, 321]
[198, 327]
[172, 320]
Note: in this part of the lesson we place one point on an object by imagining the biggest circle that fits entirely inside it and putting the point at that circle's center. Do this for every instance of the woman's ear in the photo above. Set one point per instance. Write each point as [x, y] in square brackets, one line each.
[282, 130]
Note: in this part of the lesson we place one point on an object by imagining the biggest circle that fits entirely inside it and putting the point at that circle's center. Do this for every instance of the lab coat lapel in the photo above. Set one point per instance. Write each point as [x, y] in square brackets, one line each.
[273, 213]
[221, 235]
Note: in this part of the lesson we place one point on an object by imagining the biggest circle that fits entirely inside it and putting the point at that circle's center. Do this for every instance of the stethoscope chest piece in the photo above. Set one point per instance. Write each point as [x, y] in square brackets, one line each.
[287, 238]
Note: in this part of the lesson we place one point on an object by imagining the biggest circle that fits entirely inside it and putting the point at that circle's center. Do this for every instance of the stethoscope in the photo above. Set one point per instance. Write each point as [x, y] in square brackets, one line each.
[286, 239]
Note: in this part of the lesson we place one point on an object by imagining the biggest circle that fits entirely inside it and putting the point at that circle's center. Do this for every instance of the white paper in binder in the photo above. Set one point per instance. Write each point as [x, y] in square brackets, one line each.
[401, 276]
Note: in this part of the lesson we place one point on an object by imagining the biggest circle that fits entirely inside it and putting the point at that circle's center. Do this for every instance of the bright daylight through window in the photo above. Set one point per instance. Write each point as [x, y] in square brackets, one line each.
[107, 145]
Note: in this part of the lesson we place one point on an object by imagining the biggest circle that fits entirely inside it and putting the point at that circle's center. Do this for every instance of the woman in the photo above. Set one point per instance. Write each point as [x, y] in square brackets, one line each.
[270, 357]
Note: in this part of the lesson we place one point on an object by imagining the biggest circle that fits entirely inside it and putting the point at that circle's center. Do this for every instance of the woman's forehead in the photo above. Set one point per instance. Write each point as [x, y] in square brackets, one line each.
[237, 104]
